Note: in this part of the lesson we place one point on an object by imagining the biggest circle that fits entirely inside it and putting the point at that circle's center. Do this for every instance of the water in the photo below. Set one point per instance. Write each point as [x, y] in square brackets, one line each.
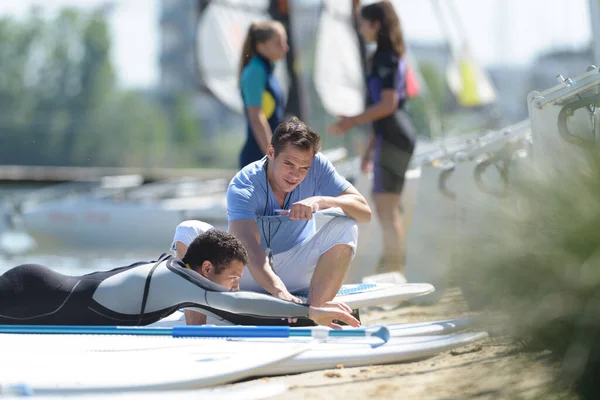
[14, 245]
[72, 264]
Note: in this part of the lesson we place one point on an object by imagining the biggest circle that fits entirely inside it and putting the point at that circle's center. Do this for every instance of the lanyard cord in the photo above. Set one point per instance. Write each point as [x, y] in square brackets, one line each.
[267, 202]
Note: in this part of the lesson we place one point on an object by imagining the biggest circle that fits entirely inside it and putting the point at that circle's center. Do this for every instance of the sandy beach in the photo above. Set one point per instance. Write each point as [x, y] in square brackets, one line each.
[493, 368]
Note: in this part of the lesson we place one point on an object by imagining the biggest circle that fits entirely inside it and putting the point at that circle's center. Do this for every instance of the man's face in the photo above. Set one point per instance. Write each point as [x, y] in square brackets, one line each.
[289, 168]
[229, 277]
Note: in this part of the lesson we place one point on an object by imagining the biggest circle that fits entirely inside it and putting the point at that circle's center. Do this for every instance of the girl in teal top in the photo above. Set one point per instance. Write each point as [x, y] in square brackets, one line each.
[264, 103]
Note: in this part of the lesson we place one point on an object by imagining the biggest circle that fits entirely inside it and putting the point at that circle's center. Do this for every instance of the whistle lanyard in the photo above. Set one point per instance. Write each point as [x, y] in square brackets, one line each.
[269, 236]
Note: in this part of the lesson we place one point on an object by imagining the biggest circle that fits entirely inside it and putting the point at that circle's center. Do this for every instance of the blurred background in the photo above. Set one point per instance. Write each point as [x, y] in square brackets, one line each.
[121, 118]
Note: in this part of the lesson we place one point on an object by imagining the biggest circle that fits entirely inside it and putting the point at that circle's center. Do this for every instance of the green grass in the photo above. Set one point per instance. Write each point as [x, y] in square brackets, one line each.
[535, 259]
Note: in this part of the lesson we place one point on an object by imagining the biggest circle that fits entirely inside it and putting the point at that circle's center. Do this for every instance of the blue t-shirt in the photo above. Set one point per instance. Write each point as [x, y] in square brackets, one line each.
[249, 196]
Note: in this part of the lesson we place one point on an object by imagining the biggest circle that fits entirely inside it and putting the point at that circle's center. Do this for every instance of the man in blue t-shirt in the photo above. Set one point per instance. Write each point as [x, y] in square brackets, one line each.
[287, 254]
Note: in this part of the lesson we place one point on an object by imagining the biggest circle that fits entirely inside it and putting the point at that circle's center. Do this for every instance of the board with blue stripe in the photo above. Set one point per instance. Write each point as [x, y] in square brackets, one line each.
[348, 289]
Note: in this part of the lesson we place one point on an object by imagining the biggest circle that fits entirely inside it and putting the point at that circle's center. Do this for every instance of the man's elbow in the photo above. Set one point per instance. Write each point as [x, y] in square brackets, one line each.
[368, 214]
[365, 216]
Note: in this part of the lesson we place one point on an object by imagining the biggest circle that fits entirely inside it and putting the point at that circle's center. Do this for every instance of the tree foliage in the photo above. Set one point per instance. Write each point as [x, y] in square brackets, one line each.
[61, 104]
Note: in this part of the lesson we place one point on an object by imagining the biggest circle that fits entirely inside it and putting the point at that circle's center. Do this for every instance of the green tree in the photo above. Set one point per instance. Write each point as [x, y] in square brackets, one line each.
[60, 101]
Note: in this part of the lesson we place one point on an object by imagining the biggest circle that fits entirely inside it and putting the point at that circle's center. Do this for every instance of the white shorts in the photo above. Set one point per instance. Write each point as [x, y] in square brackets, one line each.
[296, 266]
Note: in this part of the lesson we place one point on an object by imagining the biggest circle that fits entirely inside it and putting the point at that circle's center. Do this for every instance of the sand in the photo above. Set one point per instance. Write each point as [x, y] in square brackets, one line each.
[490, 369]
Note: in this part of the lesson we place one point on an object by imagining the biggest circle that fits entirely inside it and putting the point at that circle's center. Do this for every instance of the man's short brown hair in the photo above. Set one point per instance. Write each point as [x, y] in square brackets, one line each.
[295, 133]
[218, 247]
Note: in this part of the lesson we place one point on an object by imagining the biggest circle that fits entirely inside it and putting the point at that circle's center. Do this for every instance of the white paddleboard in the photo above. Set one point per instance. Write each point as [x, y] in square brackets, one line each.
[258, 391]
[97, 363]
[443, 327]
[371, 294]
[357, 353]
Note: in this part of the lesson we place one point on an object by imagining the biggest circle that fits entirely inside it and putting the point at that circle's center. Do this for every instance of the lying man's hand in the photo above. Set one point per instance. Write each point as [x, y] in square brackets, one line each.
[285, 295]
[338, 305]
[325, 316]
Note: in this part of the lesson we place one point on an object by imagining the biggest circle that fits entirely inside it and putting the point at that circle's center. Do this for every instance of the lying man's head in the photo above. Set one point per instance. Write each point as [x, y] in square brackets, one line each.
[219, 257]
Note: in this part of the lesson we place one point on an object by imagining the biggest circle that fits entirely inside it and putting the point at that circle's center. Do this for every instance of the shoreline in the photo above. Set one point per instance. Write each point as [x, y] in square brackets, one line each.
[489, 369]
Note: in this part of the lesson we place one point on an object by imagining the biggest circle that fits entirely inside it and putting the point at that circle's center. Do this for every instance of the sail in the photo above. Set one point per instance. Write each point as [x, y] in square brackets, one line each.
[221, 32]
[469, 82]
[338, 75]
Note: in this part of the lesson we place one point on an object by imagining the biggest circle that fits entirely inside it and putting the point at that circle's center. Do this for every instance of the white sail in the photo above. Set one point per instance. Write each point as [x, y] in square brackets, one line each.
[221, 33]
[338, 74]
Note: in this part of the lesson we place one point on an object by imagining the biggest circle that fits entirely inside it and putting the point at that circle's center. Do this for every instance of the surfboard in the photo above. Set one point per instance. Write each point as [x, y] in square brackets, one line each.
[95, 363]
[357, 353]
[442, 327]
[371, 294]
[256, 391]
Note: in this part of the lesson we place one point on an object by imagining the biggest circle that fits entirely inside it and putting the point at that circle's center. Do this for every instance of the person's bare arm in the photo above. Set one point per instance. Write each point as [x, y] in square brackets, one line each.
[260, 128]
[350, 201]
[258, 262]
[366, 158]
[386, 106]
[194, 318]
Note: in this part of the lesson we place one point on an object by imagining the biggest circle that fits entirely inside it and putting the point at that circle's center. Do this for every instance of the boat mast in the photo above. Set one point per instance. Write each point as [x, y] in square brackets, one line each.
[280, 11]
[595, 21]
[363, 53]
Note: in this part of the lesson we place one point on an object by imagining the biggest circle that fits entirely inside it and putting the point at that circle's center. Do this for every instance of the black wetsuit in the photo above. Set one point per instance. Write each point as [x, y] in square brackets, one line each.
[395, 134]
[138, 294]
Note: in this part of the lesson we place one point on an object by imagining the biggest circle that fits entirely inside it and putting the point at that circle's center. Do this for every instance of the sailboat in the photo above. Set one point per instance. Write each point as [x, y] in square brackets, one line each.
[221, 31]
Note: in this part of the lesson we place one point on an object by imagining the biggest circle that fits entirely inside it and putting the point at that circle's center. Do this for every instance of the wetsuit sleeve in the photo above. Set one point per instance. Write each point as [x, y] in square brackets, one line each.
[207, 295]
[256, 304]
[253, 83]
[386, 67]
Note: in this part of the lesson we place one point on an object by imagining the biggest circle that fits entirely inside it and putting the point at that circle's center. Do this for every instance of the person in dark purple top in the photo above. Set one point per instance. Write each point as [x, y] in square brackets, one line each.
[393, 140]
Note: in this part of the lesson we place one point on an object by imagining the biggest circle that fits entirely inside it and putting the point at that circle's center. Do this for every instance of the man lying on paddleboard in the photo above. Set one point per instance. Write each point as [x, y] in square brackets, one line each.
[185, 233]
[145, 292]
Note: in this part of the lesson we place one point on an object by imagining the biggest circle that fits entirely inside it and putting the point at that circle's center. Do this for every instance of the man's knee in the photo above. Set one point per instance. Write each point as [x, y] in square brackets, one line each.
[343, 231]
[342, 250]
